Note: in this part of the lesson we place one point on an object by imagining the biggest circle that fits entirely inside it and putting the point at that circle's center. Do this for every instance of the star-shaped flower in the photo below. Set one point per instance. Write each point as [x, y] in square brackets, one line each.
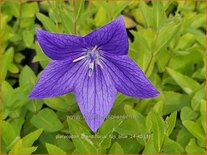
[95, 67]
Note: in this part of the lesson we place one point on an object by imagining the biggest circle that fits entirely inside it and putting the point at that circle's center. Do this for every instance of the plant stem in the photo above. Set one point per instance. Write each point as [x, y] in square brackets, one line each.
[150, 61]
[152, 53]
[74, 17]
[19, 18]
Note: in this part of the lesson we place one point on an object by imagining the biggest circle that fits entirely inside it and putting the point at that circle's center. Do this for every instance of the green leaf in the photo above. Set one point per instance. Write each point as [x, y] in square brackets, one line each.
[116, 149]
[147, 13]
[48, 120]
[65, 144]
[57, 103]
[52, 149]
[133, 148]
[34, 105]
[83, 144]
[47, 137]
[119, 100]
[185, 41]
[166, 34]
[18, 57]
[101, 17]
[193, 148]
[17, 125]
[183, 137]
[107, 129]
[188, 114]
[19, 150]
[129, 22]
[201, 39]
[28, 22]
[65, 19]
[195, 129]
[174, 101]
[7, 59]
[13, 68]
[7, 92]
[158, 107]
[159, 14]
[158, 130]
[18, 99]
[80, 9]
[203, 114]
[29, 139]
[28, 37]
[29, 9]
[138, 117]
[11, 8]
[199, 95]
[186, 83]
[119, 7]
[8, 134]
[144, 40]
[134, 124]
[40, 56]
[47, 22]
[150, 148]
[170, 123]
[23, 146]
[172, 147]
[27, 77]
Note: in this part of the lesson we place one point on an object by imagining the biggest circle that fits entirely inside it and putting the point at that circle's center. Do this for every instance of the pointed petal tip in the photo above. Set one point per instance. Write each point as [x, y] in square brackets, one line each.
[120, 19]
[153, 93]
[32, 96]
[94, 130]
[157, 93]
[38, 30]
[92, 124]
[38, 34]
[94, 121]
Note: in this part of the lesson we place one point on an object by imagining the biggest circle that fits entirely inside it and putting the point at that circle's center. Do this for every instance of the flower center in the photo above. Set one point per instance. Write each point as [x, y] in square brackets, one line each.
[93, 57]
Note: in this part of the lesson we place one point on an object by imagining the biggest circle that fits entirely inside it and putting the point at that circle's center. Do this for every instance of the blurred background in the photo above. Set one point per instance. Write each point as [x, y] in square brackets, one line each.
[166, 38]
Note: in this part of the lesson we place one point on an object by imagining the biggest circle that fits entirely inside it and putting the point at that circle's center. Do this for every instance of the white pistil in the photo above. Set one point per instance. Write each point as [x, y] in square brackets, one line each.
[91, 68]
[93, 57]
[91, 65]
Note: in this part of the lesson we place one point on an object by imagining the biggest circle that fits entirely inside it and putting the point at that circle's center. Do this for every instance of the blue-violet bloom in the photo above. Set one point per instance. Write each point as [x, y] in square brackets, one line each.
[95, 67]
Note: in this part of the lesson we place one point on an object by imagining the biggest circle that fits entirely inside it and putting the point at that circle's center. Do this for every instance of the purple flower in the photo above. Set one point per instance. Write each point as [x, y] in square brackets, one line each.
[95, 67]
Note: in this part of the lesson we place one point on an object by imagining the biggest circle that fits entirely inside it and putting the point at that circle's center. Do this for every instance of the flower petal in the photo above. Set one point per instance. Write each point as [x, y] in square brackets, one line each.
[95, 96]
[59, 46]
[57, 78]
[111, 38]
[128, 78]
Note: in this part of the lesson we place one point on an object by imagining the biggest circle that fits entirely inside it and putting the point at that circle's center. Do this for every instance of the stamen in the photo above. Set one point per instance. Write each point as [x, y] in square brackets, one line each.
[93, 50]
[98, 63]
[79, 58]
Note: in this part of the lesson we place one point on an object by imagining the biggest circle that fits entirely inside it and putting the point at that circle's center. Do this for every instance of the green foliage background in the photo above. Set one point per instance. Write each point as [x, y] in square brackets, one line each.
[169, 44]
